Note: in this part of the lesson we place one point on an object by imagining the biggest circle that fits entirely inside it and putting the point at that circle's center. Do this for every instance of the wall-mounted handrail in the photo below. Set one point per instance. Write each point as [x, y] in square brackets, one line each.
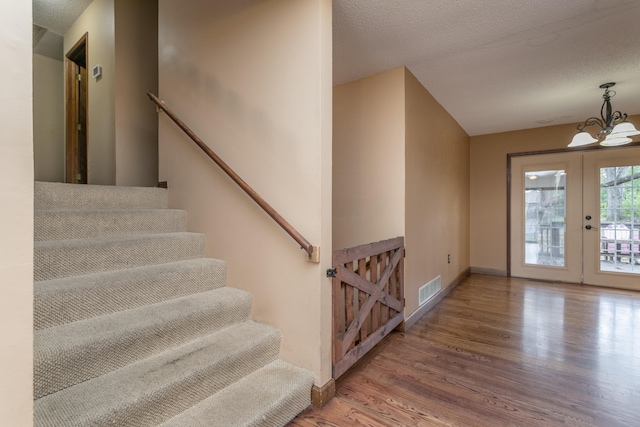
[312, 251]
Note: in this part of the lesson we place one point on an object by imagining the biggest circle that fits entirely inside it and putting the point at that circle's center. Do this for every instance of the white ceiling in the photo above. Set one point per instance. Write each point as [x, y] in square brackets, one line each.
[55, 17]
[498, 65]
[494, 65]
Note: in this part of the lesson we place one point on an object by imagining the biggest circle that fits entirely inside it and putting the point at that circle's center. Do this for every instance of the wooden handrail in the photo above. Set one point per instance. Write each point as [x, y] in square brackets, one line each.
[312, 251]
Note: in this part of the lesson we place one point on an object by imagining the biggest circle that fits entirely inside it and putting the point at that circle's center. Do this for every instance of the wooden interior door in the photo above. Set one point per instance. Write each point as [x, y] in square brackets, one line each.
[76, 107]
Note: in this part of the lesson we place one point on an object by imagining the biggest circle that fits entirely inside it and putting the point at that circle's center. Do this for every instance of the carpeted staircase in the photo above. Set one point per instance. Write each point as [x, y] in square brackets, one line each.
[134, 327]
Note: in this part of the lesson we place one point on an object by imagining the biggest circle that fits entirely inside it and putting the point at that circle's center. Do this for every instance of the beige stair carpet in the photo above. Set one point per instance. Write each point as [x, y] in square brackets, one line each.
[135, 327]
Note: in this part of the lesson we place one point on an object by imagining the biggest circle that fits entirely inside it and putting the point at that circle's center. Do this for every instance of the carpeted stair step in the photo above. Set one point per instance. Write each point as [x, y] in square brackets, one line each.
[69, 299]
[158, 388]
[65, 224]
[58, 196]
[69, 354]
[133, 327]
[63, 258]
[276, 392]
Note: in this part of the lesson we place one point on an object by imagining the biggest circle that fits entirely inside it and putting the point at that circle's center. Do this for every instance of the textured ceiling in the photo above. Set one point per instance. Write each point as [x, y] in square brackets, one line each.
[498, 65]
[494, 65]
[51, 19]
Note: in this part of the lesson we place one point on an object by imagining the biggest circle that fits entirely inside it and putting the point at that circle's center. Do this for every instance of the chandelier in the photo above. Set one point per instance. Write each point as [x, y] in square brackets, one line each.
[612, 126]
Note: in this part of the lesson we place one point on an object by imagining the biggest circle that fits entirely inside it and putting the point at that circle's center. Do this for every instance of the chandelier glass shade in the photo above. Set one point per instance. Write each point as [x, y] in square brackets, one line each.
[612, 126]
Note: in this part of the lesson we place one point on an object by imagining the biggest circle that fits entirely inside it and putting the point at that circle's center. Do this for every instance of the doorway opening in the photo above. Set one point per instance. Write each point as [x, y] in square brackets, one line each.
[575, 217]
[76, 106]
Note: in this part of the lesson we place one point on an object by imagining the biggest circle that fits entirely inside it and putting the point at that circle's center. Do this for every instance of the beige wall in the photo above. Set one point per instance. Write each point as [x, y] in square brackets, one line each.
[323, 310]
[16, 211]
[98, 21]
[401, 168]
[122, 128]
[489, 187]
[368, 159]
[48, 119]
[253, 80]
[437, 193]
[136, 49]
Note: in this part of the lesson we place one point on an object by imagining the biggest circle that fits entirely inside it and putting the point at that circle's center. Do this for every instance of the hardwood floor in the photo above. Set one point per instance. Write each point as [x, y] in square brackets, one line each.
[501, 352]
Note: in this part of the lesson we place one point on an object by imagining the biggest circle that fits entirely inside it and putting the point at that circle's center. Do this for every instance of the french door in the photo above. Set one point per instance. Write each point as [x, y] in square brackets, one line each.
[575, 217]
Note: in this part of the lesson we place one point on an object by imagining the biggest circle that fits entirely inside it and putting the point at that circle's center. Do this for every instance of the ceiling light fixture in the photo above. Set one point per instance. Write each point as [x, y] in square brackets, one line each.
[614, 127]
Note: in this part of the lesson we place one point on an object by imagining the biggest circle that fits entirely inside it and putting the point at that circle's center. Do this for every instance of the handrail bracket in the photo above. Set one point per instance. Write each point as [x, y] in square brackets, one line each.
[314, 256]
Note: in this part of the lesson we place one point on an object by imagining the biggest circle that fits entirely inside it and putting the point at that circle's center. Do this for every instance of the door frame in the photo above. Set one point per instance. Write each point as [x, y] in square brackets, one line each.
[510, 156]
[593, 274]
[532, 153]
[76, 145]
[571, 270]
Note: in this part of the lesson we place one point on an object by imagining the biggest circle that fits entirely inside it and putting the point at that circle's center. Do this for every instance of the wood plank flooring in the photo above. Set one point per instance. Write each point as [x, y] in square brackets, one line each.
[501, 352]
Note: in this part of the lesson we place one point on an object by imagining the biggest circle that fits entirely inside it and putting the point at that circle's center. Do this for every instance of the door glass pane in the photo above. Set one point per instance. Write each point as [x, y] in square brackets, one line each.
[545, 206]
[620, 219]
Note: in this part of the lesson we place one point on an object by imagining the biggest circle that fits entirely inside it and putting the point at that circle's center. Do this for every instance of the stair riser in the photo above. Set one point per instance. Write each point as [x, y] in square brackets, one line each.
[66, 258]
[157, 404]
[70, 354]
[57, 196]
[61, 225]
[278, 392]
[134, 328]
[67, 300]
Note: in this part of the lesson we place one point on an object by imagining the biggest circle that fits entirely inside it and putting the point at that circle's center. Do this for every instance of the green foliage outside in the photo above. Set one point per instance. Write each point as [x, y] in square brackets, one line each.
[620, 194]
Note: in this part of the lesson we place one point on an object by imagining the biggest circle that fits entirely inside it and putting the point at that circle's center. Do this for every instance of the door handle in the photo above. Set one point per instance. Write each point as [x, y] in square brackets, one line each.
[589, 227]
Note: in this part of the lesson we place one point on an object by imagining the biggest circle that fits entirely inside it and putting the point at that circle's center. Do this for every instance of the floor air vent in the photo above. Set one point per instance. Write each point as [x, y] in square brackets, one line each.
[429, 290]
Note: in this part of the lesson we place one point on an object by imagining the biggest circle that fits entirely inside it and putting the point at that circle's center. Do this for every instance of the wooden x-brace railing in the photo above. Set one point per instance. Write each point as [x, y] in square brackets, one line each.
[378, 293]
